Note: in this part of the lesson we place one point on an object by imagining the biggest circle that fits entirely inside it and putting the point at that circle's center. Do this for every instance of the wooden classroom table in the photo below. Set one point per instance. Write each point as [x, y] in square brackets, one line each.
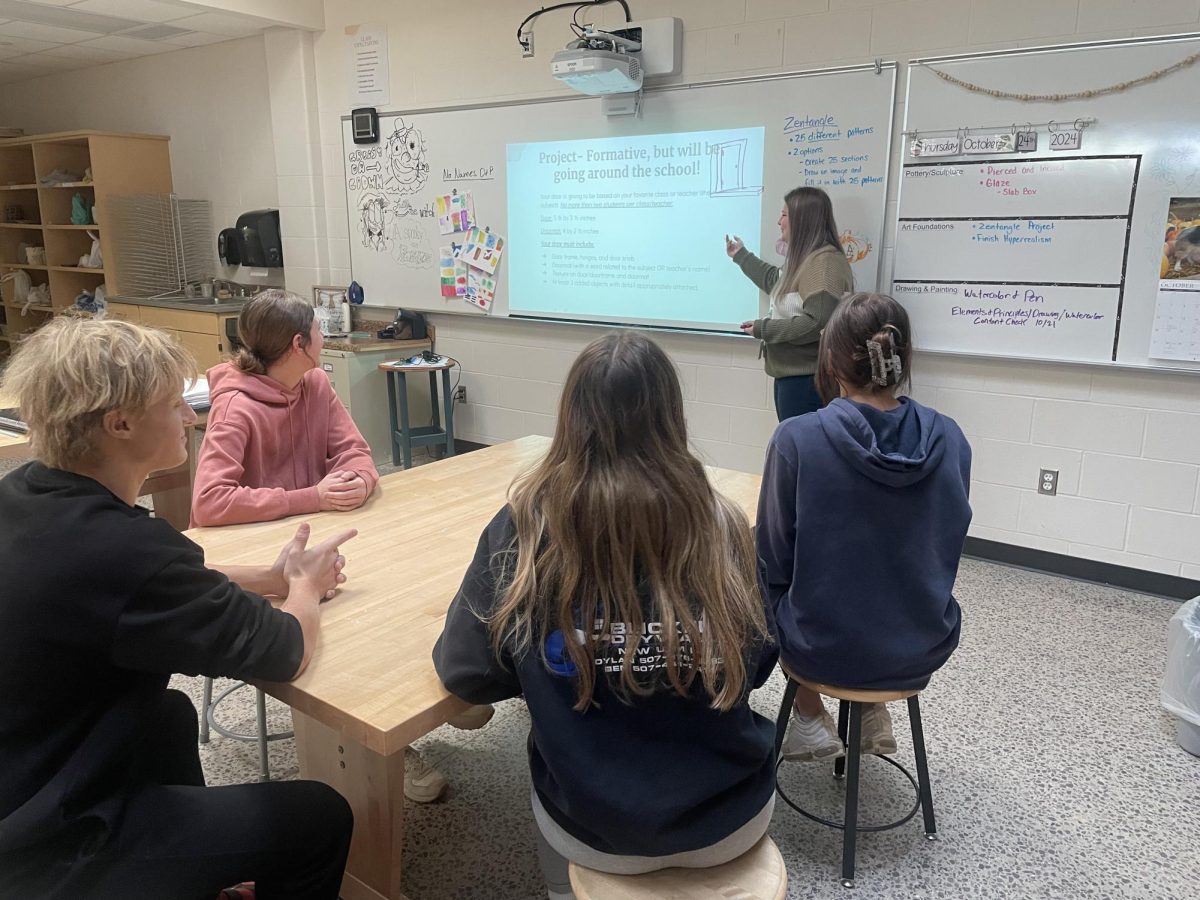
[371, 689]
[171, 488]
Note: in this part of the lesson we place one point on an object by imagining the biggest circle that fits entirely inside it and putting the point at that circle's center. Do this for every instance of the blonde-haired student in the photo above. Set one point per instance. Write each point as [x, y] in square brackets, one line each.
[102, 792]
[618, 592]
[861, 521]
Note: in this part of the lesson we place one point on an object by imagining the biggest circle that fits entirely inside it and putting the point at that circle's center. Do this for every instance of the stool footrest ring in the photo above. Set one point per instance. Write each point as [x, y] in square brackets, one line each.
[841, 825]
[210, 715]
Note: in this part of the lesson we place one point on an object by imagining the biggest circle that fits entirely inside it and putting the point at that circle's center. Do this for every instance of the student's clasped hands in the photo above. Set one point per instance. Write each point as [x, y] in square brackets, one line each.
[341, 490]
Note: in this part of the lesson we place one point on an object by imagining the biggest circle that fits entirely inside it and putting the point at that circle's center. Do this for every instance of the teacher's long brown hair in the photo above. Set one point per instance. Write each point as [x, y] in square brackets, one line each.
[620, 512]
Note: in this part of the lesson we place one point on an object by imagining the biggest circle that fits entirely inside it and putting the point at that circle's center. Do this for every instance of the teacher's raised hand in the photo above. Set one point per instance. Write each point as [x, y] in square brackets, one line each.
[733, 245]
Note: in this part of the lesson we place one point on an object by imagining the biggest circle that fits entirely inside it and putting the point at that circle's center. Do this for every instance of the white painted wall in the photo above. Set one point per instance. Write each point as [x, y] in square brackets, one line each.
[213, 101]
[1127, 445]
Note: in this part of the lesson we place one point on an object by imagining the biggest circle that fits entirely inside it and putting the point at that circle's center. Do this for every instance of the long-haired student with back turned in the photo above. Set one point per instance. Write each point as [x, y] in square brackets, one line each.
[618, 592]
[803, 293]
[861, 522]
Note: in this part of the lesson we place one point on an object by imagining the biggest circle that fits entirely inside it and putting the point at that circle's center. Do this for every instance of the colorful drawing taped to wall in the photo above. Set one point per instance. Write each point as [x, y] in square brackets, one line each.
[455, 212]
[856, 248]
[481, 289]
[446, 270]
[373, 213]
[482, 250]
[405, 165]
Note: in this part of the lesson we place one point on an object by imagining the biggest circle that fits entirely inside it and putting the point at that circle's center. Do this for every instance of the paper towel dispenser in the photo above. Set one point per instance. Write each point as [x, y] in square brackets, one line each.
[259, 245]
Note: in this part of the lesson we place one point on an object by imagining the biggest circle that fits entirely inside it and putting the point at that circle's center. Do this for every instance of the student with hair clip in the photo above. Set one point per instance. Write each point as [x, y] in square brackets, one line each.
[861, 521]
[803, 294]
[278, 441]
[618, 591]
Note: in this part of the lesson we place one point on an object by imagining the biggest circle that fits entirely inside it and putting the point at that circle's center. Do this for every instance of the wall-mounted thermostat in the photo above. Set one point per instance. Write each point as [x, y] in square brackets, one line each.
[364, 125]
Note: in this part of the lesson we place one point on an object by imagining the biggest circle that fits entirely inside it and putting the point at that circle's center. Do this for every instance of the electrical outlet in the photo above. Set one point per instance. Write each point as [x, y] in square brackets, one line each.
[527, 45]
[1048, 482]
[460, 394]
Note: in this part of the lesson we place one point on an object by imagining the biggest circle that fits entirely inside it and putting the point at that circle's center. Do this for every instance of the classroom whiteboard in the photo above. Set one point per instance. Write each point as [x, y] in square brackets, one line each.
[1049, 254]
[829, 129]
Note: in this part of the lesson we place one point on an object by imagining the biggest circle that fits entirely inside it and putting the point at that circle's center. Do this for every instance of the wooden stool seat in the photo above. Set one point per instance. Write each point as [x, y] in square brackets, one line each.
[854, 695]
[758, 874]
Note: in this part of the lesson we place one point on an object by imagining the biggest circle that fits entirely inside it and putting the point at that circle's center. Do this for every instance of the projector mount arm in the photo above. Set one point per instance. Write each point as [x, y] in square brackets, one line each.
[523, 39]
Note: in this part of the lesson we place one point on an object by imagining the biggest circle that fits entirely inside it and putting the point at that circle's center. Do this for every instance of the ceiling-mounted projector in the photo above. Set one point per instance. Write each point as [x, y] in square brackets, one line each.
[600, 63]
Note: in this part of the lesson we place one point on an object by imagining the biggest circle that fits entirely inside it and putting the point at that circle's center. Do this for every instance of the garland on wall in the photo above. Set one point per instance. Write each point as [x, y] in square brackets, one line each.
[1077, 95]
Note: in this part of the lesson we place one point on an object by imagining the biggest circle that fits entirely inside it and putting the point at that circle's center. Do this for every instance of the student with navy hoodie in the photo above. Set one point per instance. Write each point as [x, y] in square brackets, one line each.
[618, 591]
[861, 522]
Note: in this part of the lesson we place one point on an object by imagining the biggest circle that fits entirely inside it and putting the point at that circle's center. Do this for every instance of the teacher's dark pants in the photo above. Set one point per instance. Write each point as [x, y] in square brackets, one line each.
[183, 841]
[795, 396]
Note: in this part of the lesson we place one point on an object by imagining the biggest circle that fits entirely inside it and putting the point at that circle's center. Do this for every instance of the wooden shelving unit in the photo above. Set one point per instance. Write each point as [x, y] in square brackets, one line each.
[119, 163]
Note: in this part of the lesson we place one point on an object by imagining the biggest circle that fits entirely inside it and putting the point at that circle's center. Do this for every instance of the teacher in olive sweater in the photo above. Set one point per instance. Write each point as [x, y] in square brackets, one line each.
[803, 294]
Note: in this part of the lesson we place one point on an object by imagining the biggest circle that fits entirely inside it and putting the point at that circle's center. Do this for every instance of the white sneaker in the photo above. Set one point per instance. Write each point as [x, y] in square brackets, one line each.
[877, 735]
[810, 738]
[422, 782]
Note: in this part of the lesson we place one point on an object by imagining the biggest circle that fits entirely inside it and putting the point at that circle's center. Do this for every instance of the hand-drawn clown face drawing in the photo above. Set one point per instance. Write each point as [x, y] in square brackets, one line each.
[372, 222]
[405, 167]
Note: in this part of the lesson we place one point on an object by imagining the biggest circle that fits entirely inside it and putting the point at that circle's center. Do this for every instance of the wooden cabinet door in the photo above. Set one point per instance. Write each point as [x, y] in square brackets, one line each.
[208, 349]
[126, 312]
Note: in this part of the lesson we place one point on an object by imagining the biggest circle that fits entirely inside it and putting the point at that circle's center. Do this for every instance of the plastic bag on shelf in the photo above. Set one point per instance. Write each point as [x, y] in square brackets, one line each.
[1181, 683]
[21, 285]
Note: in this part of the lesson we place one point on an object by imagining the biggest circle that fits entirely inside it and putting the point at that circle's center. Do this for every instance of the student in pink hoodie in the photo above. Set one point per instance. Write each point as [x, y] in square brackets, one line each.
[278, 441]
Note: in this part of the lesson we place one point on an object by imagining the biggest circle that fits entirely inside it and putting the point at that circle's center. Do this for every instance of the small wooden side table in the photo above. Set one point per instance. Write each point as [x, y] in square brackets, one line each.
[404, 435]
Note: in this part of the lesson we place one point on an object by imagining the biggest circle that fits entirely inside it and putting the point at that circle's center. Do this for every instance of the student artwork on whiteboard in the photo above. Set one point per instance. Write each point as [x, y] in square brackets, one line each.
[482, 250]
[455, 212]
[481, 289]
[405, 167]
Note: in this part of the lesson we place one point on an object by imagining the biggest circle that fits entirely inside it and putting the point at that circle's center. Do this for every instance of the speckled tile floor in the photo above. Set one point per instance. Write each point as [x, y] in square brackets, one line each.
[1055, 772]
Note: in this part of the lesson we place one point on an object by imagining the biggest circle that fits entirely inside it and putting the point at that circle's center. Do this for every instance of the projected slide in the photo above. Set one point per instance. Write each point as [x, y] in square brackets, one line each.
[631, 229]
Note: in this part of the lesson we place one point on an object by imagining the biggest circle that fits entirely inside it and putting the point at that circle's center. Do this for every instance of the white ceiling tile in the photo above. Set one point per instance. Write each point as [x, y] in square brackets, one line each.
[57, 2]
[128, 45]
[39, 32]
[141, 10]
[84, 52]
[196, 39]
[23, 45]
[222, 23]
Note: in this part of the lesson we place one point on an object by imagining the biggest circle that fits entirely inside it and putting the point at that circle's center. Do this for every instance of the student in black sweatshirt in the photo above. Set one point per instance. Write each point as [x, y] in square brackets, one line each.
[861, 522]
[101, 792]
[617, 591]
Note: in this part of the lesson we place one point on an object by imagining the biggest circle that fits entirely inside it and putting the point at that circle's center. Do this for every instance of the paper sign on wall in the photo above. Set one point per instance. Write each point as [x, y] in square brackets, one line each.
[943, 146]
[1005, 142]
[369, 73]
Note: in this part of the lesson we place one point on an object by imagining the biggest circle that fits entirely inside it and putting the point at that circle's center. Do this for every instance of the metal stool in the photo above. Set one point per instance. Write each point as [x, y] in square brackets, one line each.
[758, 874]
[208, 720]
[850, 708]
